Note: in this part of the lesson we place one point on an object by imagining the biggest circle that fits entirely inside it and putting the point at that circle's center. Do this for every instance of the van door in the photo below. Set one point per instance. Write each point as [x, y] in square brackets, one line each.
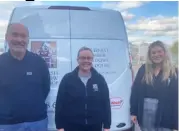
[49, 34]
[104, 33]
[56, 53]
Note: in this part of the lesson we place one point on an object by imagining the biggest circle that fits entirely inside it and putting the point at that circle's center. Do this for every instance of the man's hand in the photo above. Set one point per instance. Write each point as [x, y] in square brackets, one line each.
[61, 130]
[106, 129]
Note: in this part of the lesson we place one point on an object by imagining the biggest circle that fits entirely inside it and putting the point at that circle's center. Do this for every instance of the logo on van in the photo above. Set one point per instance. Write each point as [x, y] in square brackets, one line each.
[116, 102]
[47, 50]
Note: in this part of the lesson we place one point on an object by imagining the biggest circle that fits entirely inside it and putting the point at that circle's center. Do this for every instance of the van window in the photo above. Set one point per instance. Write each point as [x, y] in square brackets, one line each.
[97, 25]
[48, 24]
[52, 23]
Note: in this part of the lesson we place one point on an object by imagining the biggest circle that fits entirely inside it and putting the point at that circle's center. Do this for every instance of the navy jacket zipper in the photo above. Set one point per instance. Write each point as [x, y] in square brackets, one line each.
[86, 105]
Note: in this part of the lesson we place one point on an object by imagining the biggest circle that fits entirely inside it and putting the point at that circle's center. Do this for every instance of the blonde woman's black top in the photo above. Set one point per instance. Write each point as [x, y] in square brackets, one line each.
[165, 91]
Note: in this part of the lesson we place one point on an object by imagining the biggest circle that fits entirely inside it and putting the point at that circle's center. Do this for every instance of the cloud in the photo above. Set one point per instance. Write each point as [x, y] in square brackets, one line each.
[173, 33]
[158, 23]
[6, 8]
[148, 27]
[156, 26]
[137, 39]
[3, 22]
[140, 39]
[127, 16]
[37, 3]
[3, 27]
[123, 7]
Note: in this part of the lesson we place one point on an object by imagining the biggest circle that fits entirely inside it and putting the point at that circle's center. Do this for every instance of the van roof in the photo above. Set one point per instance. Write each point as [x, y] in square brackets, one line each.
[96, 17]
[65, 8]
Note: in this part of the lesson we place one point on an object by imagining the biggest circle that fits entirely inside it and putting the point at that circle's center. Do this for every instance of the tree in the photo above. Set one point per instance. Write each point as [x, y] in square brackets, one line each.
[174, 48]
[174, 52]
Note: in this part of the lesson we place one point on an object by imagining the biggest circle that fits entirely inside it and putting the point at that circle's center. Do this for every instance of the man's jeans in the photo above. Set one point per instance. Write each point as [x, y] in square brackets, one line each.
[28, 126]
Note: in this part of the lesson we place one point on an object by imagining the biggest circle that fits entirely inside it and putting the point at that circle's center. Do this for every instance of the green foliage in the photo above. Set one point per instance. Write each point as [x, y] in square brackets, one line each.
[174, 48]
[174, 52]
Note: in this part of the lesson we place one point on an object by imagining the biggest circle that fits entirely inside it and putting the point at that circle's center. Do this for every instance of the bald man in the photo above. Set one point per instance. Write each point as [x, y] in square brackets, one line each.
[24, 84]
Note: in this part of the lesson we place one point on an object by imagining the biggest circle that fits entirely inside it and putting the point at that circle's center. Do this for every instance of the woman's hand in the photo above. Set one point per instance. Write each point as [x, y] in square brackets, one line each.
[61, 130]
[134, 119]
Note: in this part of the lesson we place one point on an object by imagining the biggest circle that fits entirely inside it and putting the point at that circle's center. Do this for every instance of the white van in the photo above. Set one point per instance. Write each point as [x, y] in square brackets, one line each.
[57, 33]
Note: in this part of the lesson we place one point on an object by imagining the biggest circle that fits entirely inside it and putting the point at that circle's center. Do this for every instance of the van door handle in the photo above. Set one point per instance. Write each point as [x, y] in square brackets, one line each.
[120, 125]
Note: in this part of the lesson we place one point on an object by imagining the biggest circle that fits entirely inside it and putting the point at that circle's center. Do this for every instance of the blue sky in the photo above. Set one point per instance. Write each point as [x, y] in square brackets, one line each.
[168, 8]
[76, 3]
[145, 21]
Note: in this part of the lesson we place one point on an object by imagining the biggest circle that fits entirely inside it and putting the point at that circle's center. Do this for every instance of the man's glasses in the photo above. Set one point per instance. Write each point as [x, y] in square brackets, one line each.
[85, 58]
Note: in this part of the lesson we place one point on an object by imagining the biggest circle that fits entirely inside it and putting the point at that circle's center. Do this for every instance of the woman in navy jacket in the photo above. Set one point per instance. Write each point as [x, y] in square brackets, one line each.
[154, 97]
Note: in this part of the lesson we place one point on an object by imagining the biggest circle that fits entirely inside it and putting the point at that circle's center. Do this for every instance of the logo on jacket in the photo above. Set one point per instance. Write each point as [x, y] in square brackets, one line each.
[28, 73]
[95, 87]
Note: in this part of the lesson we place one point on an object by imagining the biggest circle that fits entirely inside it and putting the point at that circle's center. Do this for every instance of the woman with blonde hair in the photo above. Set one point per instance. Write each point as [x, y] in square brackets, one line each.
[154, 97]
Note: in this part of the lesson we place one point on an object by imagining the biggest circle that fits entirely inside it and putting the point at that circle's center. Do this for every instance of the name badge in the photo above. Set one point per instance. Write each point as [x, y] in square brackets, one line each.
[28, 73]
